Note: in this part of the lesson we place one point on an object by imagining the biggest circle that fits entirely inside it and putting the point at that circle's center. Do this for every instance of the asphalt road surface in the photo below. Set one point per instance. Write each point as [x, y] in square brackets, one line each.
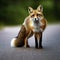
[50, 51]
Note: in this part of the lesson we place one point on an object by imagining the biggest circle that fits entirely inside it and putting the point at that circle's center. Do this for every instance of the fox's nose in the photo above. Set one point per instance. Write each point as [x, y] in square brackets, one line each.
[36, 19]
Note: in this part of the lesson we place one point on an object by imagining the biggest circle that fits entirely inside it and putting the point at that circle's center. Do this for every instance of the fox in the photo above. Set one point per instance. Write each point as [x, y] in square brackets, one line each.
[34, 24]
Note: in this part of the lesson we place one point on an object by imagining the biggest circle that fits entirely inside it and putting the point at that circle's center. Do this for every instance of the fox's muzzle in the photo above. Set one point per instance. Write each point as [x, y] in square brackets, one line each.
[36, 20]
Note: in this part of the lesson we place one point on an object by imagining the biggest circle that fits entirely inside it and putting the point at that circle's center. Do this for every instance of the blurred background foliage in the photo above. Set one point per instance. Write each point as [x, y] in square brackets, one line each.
[13, 12]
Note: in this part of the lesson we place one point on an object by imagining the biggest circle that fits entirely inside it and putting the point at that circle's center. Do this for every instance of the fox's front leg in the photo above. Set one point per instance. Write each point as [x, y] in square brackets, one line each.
[36, 42]
[40, 41]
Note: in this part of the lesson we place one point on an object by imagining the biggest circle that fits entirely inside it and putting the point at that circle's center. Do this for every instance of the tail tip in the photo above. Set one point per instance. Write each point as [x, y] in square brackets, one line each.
[12, 44]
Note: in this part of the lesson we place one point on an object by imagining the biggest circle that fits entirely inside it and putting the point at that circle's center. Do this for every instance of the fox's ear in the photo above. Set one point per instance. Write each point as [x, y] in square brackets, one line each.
[30, 10]
[40, 8]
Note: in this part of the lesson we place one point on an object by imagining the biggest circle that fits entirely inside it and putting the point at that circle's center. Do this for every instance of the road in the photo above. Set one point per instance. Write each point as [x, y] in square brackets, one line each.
[50, 51]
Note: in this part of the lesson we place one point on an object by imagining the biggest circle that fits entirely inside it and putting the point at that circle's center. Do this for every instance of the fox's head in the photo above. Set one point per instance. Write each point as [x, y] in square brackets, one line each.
[37, 14]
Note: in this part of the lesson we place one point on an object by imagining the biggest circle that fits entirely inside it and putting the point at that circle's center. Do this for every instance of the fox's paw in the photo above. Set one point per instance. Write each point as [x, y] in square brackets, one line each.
[26, 46]
[40, 47]
[13, 42]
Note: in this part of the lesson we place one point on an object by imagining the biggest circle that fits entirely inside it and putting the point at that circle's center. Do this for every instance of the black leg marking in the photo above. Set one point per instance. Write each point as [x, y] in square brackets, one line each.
[36, 42]
[40, 42]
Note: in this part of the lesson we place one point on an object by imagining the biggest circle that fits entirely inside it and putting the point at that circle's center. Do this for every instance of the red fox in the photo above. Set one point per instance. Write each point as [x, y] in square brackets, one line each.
[34, 24]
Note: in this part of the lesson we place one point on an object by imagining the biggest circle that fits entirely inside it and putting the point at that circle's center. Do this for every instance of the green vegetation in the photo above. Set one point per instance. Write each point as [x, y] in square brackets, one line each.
[13, 12]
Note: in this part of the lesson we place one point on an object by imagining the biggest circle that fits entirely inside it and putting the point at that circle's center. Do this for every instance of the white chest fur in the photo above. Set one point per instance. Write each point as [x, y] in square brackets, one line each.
[37, 27]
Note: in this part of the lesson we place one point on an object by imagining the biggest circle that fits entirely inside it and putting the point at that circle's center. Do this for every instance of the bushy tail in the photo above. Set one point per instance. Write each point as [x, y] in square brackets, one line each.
[16, 43]
[19, 40]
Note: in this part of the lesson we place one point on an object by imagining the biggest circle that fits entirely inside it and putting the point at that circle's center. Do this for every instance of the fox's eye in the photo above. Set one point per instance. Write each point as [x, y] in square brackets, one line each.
[39, 15]
[32, 15]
